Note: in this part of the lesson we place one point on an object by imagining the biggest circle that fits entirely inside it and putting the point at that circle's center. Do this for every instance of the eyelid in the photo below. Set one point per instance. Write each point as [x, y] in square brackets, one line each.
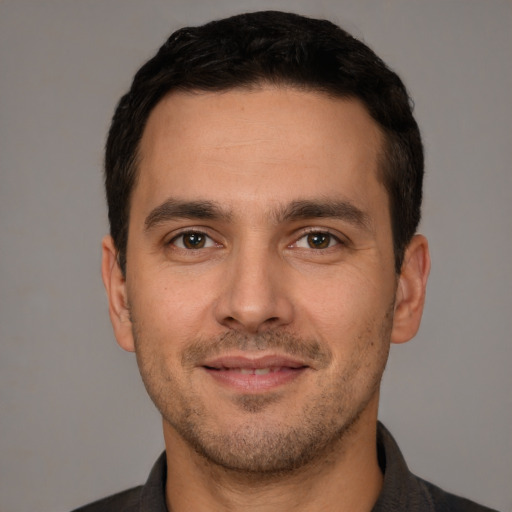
[191, 231]
[339, 237]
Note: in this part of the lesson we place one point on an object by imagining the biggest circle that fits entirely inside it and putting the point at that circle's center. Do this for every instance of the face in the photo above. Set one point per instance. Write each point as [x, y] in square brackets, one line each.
[260, 290]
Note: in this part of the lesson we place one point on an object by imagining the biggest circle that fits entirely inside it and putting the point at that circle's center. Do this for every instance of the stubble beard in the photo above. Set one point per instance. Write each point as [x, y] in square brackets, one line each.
[257, 447]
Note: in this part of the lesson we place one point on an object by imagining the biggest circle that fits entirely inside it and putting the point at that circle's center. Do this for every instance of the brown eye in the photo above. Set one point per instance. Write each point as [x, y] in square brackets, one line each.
[193, 240]
[319, 240]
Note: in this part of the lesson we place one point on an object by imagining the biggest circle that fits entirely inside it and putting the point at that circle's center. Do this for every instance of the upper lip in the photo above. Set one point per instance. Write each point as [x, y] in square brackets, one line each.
[257, 362]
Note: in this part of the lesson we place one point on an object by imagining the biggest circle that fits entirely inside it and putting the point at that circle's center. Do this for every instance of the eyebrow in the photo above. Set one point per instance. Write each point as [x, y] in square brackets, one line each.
[176, 209]
[296, 210]
[325, 208]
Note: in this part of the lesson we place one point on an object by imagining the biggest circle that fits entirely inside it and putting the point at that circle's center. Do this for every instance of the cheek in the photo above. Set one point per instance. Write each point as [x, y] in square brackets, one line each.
[168, 308]
[346, 300]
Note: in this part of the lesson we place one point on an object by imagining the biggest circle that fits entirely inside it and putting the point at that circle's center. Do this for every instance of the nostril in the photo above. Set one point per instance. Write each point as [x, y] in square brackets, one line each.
[247, 325]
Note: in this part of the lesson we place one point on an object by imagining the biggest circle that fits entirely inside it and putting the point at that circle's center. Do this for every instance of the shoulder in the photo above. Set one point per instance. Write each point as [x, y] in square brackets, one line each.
[150, 496]
[402, 490]
[126, 501]
[442, 501]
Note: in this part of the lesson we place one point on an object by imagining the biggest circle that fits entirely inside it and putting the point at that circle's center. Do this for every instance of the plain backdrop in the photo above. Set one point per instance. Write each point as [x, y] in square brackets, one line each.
[75, 422]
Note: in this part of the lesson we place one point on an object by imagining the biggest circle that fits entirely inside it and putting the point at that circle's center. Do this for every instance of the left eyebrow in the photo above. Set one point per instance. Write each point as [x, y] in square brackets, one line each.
[172, 209]
[325, 208]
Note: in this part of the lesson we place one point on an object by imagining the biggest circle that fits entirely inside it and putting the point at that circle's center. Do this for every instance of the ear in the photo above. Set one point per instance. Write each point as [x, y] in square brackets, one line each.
[410, 295]
[115, 285]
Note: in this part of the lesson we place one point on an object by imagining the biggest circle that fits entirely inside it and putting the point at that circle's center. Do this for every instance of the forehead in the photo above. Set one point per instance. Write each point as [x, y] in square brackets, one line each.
[281, 144]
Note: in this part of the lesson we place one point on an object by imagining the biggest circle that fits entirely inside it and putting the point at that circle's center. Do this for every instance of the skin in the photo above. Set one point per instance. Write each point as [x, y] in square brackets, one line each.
[262, 272]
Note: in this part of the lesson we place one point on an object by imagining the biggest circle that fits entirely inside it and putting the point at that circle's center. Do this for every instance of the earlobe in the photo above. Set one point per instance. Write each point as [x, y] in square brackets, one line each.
[410, 296]
[115, 286]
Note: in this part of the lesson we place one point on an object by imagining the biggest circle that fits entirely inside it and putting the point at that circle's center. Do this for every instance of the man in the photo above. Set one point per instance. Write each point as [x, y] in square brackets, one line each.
[264, 177]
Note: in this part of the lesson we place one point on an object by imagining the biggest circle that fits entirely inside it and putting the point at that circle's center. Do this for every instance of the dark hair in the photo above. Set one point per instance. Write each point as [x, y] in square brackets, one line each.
[275, 48]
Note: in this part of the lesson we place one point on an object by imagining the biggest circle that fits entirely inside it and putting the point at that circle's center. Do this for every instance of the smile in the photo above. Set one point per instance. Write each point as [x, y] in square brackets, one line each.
[240, 373]
[253, 371]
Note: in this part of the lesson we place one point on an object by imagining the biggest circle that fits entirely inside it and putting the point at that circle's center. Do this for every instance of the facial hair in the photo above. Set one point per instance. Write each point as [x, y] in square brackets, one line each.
[263, 445]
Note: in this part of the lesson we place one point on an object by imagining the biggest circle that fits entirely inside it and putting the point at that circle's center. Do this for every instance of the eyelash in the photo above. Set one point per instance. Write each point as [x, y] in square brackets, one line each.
[318, 232]
[192, 232]
[207, 239]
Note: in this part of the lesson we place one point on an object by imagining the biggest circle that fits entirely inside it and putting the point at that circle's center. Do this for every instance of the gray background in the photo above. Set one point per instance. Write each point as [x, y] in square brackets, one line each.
[75, 423]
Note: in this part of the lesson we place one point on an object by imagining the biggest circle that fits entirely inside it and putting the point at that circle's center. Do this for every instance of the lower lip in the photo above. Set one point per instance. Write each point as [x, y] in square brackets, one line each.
[254, 383]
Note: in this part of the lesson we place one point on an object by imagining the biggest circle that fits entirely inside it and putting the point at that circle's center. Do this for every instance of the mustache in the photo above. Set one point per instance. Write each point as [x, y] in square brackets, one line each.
[308, 350]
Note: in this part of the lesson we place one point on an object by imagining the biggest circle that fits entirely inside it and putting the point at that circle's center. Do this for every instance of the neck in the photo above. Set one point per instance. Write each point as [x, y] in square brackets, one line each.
[346, 477]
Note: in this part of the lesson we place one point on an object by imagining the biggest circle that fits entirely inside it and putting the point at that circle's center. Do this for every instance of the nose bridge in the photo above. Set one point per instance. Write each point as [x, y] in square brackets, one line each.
[254, 297]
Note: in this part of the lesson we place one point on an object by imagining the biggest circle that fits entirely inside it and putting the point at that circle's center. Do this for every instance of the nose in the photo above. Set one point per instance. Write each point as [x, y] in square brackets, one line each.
[254, 297]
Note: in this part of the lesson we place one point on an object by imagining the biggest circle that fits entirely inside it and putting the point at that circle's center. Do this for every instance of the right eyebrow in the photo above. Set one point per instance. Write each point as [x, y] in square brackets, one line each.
[175, 209]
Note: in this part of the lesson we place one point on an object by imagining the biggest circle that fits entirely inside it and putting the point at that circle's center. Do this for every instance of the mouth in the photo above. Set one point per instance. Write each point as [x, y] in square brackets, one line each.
[258, 374]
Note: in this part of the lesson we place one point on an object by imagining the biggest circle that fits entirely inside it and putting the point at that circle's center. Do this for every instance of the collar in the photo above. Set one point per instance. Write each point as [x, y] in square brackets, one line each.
[401, 490]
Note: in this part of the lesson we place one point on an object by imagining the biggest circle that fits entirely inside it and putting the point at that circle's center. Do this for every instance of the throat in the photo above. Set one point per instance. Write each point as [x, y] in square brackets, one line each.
[346, 477]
